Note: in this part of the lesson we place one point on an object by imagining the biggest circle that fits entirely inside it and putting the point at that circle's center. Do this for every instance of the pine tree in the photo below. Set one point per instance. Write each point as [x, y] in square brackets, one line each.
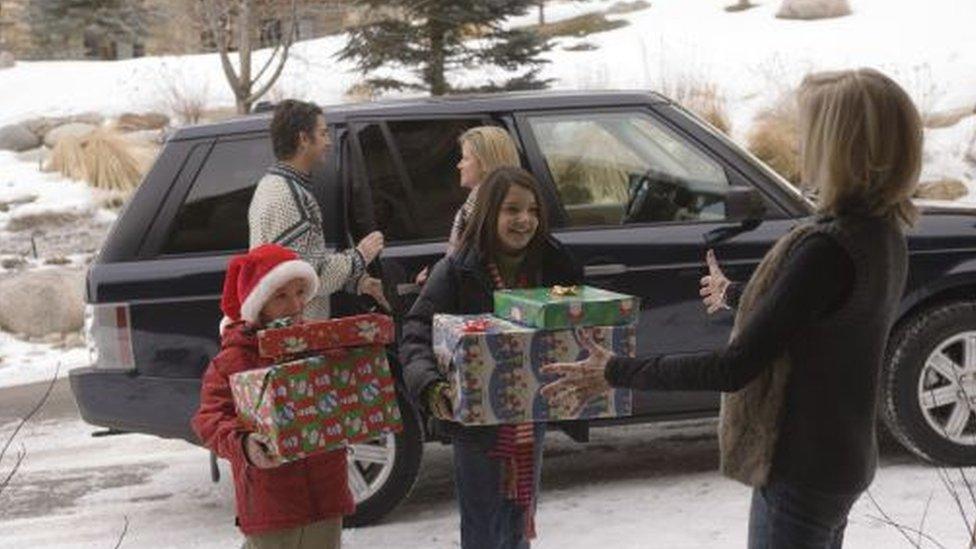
[58, 25]
[435, 37]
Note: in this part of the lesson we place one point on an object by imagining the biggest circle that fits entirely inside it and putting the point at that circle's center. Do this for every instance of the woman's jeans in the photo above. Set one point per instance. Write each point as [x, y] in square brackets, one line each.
[489, 520]
[784, 515]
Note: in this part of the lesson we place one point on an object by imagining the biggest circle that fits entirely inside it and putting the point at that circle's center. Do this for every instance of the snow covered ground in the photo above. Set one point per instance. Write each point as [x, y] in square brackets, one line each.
[630, 487]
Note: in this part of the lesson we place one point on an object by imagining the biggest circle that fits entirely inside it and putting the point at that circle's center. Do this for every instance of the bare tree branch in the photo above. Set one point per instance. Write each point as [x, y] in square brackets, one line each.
[925, 514]
[947, 481]
[909, 530]
[903, 530]
[267, 63]
[969, 488]
[21, 454]
[125, 530]
[289, 39]
[33, 411]
[220, 38]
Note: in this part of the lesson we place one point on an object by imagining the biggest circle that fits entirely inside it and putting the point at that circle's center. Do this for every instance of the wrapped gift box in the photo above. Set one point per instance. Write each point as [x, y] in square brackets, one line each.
[493, 366]
[319, 403]
[353, 331]
[560, 308]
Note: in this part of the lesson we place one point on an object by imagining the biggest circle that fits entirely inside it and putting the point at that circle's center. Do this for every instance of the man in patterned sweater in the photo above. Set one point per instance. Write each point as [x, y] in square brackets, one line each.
[284, 209]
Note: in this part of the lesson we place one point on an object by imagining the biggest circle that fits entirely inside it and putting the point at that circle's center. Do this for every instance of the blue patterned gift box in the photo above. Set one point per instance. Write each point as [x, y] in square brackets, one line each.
[493, 368]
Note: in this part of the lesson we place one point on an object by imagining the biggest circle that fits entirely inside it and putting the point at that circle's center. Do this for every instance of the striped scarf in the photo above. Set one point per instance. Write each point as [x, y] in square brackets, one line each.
[515, 446]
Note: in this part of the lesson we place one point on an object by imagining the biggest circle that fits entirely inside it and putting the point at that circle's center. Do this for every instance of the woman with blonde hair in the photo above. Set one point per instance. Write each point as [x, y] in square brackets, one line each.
[484, 149]
[800, 373]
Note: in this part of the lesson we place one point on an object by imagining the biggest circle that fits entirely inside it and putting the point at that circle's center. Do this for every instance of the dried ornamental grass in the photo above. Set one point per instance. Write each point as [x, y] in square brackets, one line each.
[104, 159]
[774, 139]
[700, 97]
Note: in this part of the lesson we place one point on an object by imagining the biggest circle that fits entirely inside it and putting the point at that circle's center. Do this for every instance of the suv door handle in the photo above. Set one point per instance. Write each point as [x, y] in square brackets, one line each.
[605, 269]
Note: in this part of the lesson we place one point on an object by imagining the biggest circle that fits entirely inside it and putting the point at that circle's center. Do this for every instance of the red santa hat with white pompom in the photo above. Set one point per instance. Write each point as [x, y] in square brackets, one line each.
[254, 277]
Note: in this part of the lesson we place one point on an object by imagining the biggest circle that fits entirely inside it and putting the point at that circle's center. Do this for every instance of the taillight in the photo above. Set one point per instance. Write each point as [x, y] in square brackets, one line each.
[108, 334]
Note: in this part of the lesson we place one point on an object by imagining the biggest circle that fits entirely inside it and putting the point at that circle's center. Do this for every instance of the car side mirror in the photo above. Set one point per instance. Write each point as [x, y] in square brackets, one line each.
[744, 203]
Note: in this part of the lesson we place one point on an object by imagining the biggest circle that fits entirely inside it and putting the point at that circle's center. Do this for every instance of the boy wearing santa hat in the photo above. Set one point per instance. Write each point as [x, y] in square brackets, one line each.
[295, 504]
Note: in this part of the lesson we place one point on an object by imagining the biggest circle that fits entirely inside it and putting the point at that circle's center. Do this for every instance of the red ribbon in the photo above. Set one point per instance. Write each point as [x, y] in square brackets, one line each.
[477, 325]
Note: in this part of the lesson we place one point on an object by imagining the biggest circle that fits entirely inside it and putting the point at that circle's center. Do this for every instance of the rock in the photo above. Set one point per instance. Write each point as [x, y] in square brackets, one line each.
[18, 138]
[40, 126]
[36, 155]
[41, 303]
[73, 129]
[47, 218]
[14, 262]
[7, 59]
[57, 260]
[130, 122]
[73, 340]
[52, 339]
[5, 205]
[971, 153]
[813, 9]
[945, 189]
[948, 118]
[155, 137]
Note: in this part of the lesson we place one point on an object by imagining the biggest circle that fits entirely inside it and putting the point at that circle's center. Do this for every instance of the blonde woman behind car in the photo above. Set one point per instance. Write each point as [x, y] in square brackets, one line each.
[484, 149]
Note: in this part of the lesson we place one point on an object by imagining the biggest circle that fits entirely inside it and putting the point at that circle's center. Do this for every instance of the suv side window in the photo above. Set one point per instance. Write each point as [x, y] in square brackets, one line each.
[213, 217]
[411, 166]
[620, 167]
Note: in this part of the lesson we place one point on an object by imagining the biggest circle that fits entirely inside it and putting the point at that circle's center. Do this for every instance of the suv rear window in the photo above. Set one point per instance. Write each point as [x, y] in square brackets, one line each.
[214, 215]
[411, 166]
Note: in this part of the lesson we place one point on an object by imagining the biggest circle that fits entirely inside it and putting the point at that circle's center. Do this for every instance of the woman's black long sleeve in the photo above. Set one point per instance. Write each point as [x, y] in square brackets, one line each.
[816, 279]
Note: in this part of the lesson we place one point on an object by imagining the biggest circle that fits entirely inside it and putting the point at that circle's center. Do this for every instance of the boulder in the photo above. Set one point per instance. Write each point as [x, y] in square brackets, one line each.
[73, 129]
[7, 59]
[813, 9]
[154, 137]
[13, 262]
[130, 122]
[37, 155]
[41, 125]
[971, 151]
[8, 203]
[41, 303]
[39, 218]
[944, 189]
[948, 118]
[17, 137]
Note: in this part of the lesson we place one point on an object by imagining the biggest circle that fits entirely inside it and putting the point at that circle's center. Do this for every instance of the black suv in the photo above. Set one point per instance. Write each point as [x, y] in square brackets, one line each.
[636, 187]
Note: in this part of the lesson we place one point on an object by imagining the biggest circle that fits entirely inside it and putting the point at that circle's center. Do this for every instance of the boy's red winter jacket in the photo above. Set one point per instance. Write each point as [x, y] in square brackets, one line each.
[293, 494]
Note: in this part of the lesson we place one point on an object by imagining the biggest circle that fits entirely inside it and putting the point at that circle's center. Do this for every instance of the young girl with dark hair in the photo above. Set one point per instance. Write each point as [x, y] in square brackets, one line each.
[506, 244]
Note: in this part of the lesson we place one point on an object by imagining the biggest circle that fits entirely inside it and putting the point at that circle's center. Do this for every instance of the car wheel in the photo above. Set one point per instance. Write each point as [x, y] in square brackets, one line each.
[928, 388]
[382, 472]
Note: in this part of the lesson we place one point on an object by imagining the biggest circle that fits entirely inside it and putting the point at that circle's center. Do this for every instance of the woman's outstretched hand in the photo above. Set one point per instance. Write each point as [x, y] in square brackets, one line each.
[714, 285]
[579, 382]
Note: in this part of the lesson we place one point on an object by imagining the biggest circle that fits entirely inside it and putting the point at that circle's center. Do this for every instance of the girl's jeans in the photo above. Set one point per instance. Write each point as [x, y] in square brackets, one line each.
[488, 519]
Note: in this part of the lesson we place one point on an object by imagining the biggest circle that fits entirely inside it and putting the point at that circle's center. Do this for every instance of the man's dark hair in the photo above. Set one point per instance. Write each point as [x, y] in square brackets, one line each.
[481, 234]
[291, 118]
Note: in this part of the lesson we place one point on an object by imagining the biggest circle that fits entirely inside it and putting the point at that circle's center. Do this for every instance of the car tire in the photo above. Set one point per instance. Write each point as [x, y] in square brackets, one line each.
[926, 410]
[387, 483]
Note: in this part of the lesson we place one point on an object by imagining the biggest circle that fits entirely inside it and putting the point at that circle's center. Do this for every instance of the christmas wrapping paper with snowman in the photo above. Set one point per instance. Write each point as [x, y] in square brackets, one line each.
[324, 401]
[562, 307]
[493, 366]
